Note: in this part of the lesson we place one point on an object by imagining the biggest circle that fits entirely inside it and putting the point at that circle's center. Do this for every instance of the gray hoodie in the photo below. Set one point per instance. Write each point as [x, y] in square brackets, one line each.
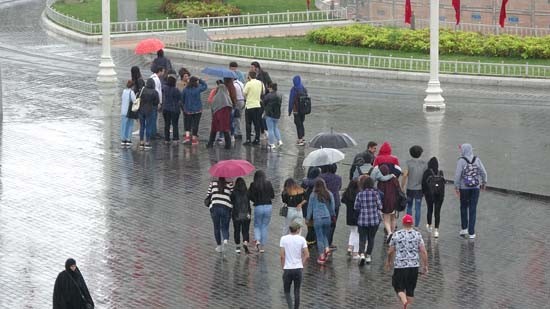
[467, 152]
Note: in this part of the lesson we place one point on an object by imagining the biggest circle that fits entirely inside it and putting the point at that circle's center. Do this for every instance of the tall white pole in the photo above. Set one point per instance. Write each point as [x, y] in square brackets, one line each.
[107, 72]
[433, 99]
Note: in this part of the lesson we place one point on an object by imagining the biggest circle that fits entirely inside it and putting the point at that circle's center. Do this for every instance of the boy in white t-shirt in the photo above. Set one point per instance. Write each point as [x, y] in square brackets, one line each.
[293, 254]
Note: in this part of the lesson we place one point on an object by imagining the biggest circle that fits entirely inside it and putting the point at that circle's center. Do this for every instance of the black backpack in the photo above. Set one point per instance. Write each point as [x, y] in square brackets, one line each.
[436, 183]
[304, 103]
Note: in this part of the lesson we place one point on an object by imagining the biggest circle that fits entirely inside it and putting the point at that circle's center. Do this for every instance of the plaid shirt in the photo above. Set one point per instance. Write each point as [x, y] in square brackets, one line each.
[367, 207]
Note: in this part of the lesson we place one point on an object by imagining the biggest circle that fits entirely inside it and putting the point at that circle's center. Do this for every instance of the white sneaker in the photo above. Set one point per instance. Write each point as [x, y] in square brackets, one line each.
[436, 233]
[463, 233]
[429, 228]
[355, 257]
[280, 143]
[224, 245]
[369, 259]
[472, 236]
[219, 248]
[271, 146]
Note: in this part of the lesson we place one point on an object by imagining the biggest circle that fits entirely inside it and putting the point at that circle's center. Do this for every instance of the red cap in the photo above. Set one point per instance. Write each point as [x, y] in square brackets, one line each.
[408, 219]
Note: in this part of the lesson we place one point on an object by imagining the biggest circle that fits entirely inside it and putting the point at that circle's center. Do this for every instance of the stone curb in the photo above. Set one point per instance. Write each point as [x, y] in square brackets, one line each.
[303, 67]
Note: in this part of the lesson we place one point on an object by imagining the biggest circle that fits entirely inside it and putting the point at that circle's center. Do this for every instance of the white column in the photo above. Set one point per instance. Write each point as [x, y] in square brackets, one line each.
[107, 72]
[433, 99]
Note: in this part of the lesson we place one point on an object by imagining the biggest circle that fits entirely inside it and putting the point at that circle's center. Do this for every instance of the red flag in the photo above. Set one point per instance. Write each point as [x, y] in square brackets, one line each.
[408, 12]
[503, 13]
[456, 5]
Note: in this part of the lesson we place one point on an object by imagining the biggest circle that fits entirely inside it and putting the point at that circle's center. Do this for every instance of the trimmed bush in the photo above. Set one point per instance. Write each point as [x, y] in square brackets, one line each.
[195, 8]
[450, 41]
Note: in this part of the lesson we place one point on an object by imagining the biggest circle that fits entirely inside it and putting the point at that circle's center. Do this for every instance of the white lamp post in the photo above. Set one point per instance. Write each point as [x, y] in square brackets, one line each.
[107, 72]
[433, 99]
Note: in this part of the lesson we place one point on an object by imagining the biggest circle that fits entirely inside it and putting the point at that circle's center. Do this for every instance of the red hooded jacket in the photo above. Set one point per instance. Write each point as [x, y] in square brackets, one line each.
[385, 156]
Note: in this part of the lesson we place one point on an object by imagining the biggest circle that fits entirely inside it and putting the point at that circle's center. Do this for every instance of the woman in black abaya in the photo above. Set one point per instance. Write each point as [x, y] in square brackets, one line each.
[70, 290]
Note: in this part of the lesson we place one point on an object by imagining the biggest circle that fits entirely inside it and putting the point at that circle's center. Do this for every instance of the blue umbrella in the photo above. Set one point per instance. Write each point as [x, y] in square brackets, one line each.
[220, 72]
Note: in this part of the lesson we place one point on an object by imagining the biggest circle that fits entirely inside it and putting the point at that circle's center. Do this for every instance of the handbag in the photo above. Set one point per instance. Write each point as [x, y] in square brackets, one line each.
[283, 212]
[131, 114]
[401, 200]
[137, 102]
[208, 200]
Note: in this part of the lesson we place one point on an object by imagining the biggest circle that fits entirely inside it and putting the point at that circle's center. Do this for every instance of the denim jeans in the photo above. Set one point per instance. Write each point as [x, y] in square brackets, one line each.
[145, 126]
[289, 276]
[221, 215]
[416, 196]
[154, 121]
[322, 231]
[273, 133]
[126, 127]
[171, 119]
[262, 217]
[468, 209]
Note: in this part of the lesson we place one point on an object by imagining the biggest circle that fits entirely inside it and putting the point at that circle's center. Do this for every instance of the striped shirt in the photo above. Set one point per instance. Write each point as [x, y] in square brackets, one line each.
[367, 205]
[220, 196]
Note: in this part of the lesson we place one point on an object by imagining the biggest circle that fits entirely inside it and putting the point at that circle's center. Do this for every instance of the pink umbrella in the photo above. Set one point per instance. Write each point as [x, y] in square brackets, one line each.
[148, 46]
[231, 168]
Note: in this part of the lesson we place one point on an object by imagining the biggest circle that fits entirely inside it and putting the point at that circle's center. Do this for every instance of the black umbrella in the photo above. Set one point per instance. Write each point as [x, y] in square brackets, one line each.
[332, 140]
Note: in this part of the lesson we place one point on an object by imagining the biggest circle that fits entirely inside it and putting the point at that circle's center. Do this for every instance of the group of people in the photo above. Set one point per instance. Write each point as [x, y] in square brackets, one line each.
[170, 93]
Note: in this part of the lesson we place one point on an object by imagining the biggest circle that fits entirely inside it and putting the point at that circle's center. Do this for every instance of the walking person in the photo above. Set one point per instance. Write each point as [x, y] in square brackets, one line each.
[321, 209]
[221, 116]
[412, 182]
[261, 194]
[407, 254]
[192, 109]
[70, 290]
[158, 77]
[294, 197]
[241, 215]
[385, 156]
[390, 188]
[161, 61]
[363, 158]
[219, 195]
[348, 198]
[308, 183]
[334, 185]
[368, 207]
[470, 177]
[293, 254]
[127, 117]
[272, 109]
[171, 109]
[293, 100]
[253, 114]
[433, 187]
[149, 102]
[238, 109]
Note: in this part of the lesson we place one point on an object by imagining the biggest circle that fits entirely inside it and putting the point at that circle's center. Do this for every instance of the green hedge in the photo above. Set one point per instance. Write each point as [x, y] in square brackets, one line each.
[196, 8]
[450, 42]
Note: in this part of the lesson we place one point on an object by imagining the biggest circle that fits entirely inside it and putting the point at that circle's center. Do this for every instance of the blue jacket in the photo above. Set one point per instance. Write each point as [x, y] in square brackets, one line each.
[317, 209]
[171, 100]
[295, 91]
[191, 98]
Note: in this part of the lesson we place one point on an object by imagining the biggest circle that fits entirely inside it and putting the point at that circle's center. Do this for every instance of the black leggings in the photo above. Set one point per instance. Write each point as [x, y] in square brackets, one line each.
[289, 276]
[299, 122]
[171, 119]
[253, 116]
[367, 233]
[191, 123]
[431, 203]
[241, 227]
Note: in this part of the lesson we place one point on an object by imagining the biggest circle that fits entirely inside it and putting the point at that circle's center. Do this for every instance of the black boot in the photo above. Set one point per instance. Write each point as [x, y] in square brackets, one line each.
[227, 138]
[211, 140]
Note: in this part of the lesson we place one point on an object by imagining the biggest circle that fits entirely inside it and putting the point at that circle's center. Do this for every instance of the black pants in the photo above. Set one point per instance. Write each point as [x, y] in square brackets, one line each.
[431, 202]
[289, 276]
[241, 227]
[367, 233]
[191, 123]
[299, 122]
[253, 116]
[226, 136]
[171, 119]
[333, 226]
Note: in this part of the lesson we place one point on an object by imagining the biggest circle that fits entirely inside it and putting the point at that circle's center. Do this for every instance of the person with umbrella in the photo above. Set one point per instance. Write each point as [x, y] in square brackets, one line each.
[161, 61]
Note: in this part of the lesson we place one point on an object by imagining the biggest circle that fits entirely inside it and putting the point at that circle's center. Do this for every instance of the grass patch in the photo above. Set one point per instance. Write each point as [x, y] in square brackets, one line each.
[89, 10]
[272, 6]
[301, 43]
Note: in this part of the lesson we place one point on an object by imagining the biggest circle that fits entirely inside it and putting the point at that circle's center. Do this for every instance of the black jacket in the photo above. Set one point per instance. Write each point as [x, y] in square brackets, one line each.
[348, 198]
[66, 294]
[241, 206]
[261, 195]
[149, 98]
[272, 105]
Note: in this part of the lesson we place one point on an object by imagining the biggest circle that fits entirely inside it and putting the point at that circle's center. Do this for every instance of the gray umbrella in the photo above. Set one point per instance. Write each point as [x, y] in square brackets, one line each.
[332, 140]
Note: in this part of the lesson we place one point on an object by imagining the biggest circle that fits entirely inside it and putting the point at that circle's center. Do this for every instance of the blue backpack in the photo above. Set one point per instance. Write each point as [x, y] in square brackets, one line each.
[470, 173]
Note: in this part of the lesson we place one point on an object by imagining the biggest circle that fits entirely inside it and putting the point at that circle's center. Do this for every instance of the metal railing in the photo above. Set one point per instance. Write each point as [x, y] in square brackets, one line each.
[366, 61]
[205, 22]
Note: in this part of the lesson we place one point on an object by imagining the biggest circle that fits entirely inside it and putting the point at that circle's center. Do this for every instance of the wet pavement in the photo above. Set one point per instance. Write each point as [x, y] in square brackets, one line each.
[136, 224]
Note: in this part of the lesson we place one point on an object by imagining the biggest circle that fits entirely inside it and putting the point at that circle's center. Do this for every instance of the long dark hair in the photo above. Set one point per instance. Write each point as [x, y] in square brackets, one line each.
[320, 188]
[291, 187]
[221, 183]
[240, 185]
[351, 190]
[136, 74]
[260, 181]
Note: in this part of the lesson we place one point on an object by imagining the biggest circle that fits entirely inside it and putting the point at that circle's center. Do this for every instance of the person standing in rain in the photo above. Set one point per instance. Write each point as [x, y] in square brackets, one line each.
[272, 110]
[293, 254]
[70, 290]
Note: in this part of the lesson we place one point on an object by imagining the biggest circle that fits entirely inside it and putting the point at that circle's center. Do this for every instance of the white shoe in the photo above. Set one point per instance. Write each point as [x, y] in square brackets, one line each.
[369, 259]
[355, 257]
[436, 233]
[463, 233]
[224, 245]
[472, 236]
[219, 248]
[271, 146]
[429, 228]
[280, 143]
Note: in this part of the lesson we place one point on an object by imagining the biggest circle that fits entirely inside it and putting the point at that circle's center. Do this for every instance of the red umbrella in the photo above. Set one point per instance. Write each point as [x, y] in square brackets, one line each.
[148, 46]
[231, 168]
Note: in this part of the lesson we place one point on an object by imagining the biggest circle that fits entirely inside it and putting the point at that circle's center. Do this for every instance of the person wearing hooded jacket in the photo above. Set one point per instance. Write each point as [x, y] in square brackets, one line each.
[468, 192]
[149, 101]
[70, 290]
[192, 109]
[171, 108]
[295, 92]
[433, 201]
[390, 189]
[221, 116]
